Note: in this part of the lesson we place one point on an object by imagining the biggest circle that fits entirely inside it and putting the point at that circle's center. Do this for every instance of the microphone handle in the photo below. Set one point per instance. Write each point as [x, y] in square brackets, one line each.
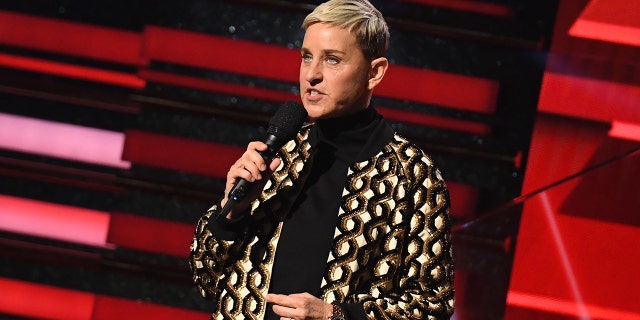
[241, 188]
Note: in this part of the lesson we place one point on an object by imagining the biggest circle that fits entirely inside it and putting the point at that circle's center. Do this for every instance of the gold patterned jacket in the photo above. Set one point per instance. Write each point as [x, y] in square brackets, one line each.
[391, 251]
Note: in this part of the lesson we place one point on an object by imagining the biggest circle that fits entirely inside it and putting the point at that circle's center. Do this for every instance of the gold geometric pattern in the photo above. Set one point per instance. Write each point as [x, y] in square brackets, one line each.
[391, 250]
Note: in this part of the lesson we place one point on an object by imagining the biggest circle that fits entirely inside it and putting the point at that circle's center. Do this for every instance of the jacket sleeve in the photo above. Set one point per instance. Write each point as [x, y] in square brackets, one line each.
[211, 252]
[422, 284]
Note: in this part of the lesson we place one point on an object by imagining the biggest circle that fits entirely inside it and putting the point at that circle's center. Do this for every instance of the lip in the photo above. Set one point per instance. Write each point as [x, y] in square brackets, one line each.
[311, 98]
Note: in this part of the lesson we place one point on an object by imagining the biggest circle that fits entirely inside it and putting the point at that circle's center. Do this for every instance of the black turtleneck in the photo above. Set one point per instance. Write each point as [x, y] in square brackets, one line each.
[307, 233]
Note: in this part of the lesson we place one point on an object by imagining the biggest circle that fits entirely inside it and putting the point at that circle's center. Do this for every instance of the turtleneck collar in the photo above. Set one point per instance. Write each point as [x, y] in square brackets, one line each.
[349, 138]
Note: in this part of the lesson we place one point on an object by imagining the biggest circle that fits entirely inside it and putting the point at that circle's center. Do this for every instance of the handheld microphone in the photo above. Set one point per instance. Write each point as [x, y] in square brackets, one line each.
[283, 126]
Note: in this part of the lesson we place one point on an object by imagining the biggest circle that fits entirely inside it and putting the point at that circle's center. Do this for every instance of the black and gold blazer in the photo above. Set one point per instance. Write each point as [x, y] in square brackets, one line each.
[391, 250]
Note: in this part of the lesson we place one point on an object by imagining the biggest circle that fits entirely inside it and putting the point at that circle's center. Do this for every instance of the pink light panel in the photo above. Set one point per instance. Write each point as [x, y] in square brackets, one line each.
[54, 221]
[61, 140]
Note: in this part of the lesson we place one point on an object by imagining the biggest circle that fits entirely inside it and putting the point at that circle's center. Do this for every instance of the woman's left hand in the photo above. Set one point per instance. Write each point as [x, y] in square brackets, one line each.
[300, 306]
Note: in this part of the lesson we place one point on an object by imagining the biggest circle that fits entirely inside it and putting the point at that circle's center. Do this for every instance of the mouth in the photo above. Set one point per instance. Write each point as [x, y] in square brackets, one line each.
[313, 92]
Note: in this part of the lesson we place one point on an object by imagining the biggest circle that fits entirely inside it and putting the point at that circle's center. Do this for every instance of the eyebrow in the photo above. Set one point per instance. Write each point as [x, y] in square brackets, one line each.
[326, 51]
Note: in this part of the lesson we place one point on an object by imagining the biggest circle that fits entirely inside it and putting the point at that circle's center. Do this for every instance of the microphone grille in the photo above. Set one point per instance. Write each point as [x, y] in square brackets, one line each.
[287, 120]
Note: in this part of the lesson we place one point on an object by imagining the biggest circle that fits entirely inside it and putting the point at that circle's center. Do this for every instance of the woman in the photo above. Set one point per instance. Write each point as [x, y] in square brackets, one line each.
[351, 220]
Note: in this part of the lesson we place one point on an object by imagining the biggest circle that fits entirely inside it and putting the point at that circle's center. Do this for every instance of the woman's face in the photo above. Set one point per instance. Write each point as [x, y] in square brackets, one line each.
[334, 74]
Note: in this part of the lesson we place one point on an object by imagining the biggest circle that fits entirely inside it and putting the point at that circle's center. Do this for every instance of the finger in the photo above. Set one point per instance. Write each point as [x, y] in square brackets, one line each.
[302, 295]
[242, 169]
[285, 312]
[285, 306]
[278, 299]
[257, 145]
[249, 165]
[253, 152]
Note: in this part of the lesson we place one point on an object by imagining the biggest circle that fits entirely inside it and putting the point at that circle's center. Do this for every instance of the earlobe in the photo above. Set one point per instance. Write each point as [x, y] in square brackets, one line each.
[378, 68]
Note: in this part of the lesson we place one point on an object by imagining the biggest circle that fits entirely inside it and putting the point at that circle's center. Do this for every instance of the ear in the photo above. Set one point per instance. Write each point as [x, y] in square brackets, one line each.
[378, 68]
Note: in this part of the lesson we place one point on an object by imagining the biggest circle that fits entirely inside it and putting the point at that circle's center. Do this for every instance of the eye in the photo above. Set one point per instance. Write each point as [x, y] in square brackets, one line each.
[306, 58]
[332, 60]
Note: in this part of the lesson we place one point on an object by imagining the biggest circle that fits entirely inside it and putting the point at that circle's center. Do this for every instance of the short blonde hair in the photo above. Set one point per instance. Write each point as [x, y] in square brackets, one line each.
[358, 16]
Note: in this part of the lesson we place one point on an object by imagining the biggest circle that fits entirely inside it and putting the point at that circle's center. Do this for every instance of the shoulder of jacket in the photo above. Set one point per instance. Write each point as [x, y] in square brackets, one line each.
[409, 152]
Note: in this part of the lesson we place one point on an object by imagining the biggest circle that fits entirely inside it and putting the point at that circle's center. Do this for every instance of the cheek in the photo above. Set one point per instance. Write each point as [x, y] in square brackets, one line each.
[351, 86]
[344, 83]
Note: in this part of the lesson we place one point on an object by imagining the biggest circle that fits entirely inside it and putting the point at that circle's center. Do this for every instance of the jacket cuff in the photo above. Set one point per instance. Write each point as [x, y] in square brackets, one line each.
[223, 228]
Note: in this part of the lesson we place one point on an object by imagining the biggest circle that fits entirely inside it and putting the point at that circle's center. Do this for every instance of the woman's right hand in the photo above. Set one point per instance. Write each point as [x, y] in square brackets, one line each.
[252, 168]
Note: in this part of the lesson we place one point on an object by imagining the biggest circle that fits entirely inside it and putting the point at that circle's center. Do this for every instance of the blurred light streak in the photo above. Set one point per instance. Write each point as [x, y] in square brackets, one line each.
[549, 214]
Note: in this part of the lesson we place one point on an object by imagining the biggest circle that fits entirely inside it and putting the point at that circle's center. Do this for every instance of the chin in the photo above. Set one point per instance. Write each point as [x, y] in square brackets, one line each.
[314, 111]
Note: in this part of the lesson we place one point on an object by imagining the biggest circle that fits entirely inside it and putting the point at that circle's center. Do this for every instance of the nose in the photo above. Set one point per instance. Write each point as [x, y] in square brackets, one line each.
[313, 73]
